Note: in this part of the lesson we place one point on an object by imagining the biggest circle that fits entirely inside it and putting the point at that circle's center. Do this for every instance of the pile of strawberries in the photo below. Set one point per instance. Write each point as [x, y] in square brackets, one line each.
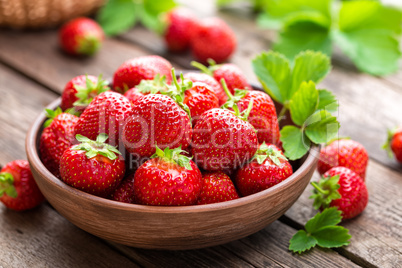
[209, 38]
[160, 138]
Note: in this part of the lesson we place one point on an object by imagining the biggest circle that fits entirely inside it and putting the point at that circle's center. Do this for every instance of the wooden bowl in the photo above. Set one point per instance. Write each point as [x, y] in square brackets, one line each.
[169, 228]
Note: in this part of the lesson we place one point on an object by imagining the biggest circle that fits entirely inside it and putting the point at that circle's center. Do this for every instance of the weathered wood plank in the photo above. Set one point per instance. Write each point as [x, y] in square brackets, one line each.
[377, 232]
[267, 248]
[45, 63]
[40, 237]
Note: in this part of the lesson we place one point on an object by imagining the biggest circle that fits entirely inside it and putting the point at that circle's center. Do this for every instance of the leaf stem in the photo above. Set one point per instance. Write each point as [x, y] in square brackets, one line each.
[318, 188]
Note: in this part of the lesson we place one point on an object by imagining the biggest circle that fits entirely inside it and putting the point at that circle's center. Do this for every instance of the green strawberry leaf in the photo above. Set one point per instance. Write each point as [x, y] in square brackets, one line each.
[329, 217]
[321, 127]
[321, 230]
[309, 65]
[295, 142]
[303, 103]
[303, 35]
[273, 72]
[86, 94]
[301, 242]
[332, 237]
[51, 115]
[118, 16]
[327, 101]
[375, 51]
[265, 151]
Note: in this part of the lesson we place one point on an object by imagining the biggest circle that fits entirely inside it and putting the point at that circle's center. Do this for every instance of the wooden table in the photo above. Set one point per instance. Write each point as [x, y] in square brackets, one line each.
[33, 72]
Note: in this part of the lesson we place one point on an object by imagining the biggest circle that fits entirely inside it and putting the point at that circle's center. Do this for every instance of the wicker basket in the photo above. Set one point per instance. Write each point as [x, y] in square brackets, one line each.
[43, 13]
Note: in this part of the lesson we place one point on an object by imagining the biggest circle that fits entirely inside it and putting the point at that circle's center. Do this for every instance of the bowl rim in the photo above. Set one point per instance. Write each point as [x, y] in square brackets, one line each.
[36, 163]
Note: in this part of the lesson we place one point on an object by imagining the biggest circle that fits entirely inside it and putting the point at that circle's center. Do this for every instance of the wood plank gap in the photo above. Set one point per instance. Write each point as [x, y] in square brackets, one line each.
[25, 75]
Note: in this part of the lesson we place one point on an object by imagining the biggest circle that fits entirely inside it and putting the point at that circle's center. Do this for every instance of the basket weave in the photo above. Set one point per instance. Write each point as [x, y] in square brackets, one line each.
[43, 13]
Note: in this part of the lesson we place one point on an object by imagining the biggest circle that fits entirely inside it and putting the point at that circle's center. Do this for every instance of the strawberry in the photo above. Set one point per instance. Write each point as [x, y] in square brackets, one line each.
[342, 188]
[196, 97]
[262, 116]
[345, 153]
[213, 39]
[210, 81]
[105, 114]
[92, 166]
[57, 137]
[232, 74]
[125, 191]
[131, 72]
[223, 140]
[167, 179]
[267, 168]
[146, 87]
[18, 189]
[181, 23]
[156, 119]
[216, 187]
[394, 144]
[81, 36]
[81, 90]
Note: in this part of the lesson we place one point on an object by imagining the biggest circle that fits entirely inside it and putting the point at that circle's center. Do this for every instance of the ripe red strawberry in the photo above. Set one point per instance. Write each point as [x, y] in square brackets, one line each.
[262, 115]
[18, 189]
[92, 166]
[81, 36]
[210, 81]
[57, 137]
[81, 90]
[267, 168]
[131, 72]
[222, 140]
[342, 188]
[168, 179]
[146, 87]
[125, 191]
[345, 153]
[216, 187]
[105, 114]
[181, 23]
[213, 39]
[196, 97]
[156, 119]
[394, 144]
[233, 76]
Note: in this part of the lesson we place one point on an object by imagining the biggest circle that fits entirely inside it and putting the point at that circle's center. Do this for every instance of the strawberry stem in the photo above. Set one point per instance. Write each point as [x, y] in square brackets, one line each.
[226, 89]
[98, 147]
[202, 68]
[318, 188]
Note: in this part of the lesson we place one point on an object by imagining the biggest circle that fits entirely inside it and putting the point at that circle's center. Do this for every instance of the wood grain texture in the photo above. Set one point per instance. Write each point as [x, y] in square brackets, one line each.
[45, 63]
[267, 248]
[377, 232]
[40, 237]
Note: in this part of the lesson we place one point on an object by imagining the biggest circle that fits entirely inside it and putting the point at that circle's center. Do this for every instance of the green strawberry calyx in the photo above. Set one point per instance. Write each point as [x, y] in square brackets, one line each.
[232, 99]
[265, 151]
[387, 145]
[325, 191]
[51, 115]
[97, 147]
[173, 156]
[7, 185]
[89, 44]
[154, 86]
[85, 94]
[232, 102]
[176, 91]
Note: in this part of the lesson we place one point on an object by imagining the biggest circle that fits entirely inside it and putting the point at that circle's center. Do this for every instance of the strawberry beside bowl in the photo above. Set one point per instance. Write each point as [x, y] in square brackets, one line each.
[169, 228]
